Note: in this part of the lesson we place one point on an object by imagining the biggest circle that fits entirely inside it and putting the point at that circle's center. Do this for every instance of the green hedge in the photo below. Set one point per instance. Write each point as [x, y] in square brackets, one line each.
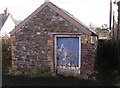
[6, 55]
[106, 60]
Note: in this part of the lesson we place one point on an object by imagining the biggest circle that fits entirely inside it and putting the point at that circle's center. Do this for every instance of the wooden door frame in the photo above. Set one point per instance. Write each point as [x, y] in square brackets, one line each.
[55, 44]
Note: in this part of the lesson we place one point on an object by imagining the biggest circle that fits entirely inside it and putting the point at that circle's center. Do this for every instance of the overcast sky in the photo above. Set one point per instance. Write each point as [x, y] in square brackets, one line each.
[87, 11]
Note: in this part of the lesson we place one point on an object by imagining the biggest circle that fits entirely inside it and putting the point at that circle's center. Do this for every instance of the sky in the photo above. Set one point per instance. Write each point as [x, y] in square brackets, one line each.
[94, 12]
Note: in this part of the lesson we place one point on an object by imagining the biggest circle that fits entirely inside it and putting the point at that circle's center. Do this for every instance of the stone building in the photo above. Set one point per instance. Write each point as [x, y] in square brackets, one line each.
[51, 39]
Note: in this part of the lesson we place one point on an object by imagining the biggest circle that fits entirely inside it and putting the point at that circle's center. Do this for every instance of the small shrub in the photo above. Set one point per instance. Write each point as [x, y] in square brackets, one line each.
[91, 74]
[83, 76]
[46, 74]
[35, 72]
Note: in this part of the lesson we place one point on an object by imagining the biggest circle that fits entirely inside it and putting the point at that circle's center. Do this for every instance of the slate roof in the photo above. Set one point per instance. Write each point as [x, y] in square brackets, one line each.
[3, 18]
[61, 12]
[72, 16]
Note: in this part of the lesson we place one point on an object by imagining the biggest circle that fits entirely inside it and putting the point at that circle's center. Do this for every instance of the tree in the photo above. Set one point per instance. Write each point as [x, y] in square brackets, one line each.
[105, 26]
[92, 26]
[102, 32]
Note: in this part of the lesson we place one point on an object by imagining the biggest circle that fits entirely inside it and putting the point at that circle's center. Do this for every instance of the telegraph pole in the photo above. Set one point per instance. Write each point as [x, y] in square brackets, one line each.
[113, 29]
[110, 15]
[110, 20]
[118, 36]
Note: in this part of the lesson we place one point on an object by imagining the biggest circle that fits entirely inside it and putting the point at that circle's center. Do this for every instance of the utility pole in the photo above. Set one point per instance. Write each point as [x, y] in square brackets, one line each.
[110, 20]
[113, 29]
[118, 36]
[110, 15]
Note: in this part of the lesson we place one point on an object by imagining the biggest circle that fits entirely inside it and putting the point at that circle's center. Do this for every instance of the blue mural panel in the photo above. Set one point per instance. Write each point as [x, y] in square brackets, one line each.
[68, 51]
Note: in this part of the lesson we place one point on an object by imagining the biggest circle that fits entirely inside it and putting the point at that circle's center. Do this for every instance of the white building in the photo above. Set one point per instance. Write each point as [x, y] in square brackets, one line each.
[7, 24]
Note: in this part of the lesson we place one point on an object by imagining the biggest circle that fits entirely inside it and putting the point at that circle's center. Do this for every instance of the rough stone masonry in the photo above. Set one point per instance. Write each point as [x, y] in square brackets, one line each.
[33, 44]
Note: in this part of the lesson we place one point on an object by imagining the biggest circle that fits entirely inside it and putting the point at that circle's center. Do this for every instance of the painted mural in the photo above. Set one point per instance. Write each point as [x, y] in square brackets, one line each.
[68, 51]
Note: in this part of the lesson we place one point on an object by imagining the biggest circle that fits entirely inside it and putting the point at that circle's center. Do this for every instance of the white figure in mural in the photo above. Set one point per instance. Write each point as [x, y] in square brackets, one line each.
[62, 53]
[66, 56]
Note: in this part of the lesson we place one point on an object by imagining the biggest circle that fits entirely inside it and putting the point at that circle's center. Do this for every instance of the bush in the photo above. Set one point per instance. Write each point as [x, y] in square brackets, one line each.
[6, 55]
[106, 60]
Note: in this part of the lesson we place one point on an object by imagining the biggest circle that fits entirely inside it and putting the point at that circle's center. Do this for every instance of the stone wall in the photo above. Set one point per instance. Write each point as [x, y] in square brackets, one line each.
[13, 50]
[33, 45]
[88, 53]
[88, 57]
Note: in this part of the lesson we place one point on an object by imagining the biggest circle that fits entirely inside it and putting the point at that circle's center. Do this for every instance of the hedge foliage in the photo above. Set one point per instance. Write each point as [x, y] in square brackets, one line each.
[106, 60]
[6, 54]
